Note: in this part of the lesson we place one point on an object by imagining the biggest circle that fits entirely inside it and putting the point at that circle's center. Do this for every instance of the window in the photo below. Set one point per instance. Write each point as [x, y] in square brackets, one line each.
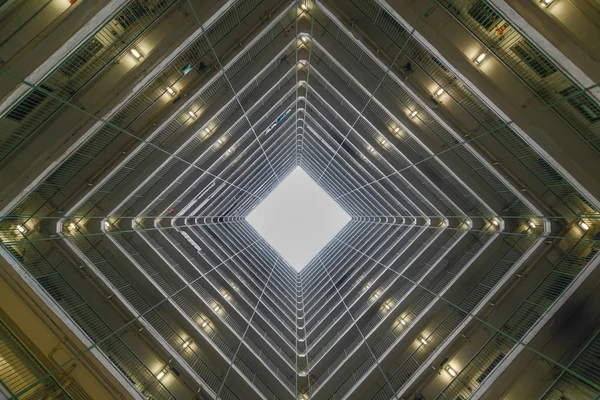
[25, 107]
[484, 14]
[536, 60]
[583, 104]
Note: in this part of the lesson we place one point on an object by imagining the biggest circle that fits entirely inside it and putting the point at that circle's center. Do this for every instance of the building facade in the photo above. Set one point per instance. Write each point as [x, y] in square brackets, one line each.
[461, 136]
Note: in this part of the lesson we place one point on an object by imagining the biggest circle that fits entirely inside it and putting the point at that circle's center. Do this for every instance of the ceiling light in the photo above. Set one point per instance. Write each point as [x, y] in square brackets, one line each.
[191, 114]
[383, 142]
[217, 308]
[161, 374]
[22, 229]
[220, 141]
[531, 224]
[136, 53]
[439, 92]
[304, 39]
[72, 226]
[495, 222]
[413, 114]
[584, 226]
[186, 344]
[422, 340]
[203, 324]
[106, 225]
[546, 3]
[171, 91]
[303, 6]
[450, 371]
[207, 130]
[397, 130]
[480, 58]
[402, 321]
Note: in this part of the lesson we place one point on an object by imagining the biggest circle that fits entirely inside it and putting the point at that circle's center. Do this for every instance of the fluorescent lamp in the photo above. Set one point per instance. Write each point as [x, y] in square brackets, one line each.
[21, 229]
[546, 3]
[451, 371]
[304, 39]
[203, 324]
[480, 58]
[413, 114]
[161, 375]
[191, 114]
[106, 225]
[397, 130]
[136, 53]
[217, 308]
[495, 222]
[186, 344]
[386, 306]
[422, 340]
[584, 226]
[72, 226]
[207, 130]
[383, 142]
[220, 141]
[171, 91]
[303, 6]
[439, 92]
[402, 321]
[531, 224]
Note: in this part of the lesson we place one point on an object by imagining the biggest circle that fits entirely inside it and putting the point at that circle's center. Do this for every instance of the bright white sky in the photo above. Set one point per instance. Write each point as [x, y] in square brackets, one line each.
[298, 218]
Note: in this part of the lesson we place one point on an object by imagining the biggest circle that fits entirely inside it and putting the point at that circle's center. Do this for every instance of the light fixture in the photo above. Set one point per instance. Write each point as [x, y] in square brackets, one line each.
[495, 222]
[207, 130]
[191, 114]
[304, 39]
[397, 129]
[439, 92]
[22, 229]
[161, 374]
[186, 343]
[136, 53]
[72, 226]
[450, 371]
[584, 226]
[383, 142]
[480, 58]
[531, 224]
[303, 6]
[203, 324]
[402, 321]
[387, 306]
[220, 141]
[171, 91]
[422, 340]
[106, 225]
[546, 3]
[413, 114]
[217, 308]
